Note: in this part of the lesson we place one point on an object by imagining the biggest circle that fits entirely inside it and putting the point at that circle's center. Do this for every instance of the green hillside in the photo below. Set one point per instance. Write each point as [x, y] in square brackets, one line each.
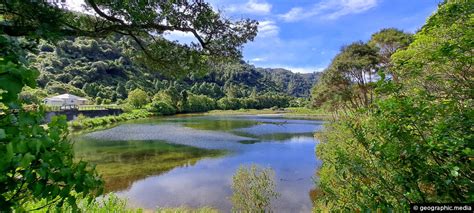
[103, 68]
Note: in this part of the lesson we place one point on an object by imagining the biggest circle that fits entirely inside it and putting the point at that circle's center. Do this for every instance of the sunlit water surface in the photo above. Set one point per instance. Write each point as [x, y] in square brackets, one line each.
[285, 145]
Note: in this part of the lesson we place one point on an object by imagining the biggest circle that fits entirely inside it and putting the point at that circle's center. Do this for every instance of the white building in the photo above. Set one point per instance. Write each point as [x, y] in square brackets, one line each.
[65, 100]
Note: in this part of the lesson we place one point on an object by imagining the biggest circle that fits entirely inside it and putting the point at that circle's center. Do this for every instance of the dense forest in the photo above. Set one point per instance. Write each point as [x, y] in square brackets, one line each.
[104, 71]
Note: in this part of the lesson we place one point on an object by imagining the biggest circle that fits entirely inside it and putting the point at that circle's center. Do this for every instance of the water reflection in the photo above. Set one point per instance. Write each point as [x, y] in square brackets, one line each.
[121, 163]
[285, 145]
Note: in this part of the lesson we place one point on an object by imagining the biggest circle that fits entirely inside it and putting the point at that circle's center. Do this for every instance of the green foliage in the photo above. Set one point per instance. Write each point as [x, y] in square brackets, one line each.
[199, 103]
[217, 37]
[98, 101]
[253, 189]
[387, 42]
[414, 144]
[263, 101]
[170, 96]
[209, 89]
[137, 98]
[444, 69]
[36, 162]
[121, 91]
[83, 122]
[349, 81]
[229, 103]
[110, 203]
[299, 102]
[29, 95]
[269, 100]
[293, 84]
[103, 68]
[161, 108]
[187, 210]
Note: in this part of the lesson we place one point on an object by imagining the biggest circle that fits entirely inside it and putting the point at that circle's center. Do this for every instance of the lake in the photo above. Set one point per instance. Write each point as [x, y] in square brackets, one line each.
[190, 160]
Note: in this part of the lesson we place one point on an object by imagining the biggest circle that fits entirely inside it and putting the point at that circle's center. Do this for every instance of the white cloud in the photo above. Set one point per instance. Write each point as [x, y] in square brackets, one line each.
[181, 37]
[329, 9]
[304, 69]
[267, 29]
[308, 69]
[294, 14]
[252, 7]
[258, 59]
[75, 5]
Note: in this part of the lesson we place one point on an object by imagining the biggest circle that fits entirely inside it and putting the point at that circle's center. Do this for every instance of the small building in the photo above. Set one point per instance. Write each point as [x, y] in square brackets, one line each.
[65, 100]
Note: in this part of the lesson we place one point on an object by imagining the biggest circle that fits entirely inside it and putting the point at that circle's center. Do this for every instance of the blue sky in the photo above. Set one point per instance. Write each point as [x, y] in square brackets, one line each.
[304, 35]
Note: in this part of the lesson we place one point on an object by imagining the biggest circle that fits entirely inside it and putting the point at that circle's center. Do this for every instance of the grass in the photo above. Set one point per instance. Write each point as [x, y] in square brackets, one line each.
[243, 112]
[295, 112]
[187, 210]
[109, 203]
[86, 123]
[220, 124]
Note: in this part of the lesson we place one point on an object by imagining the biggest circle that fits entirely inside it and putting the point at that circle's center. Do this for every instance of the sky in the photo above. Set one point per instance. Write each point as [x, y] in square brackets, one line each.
[304, 35]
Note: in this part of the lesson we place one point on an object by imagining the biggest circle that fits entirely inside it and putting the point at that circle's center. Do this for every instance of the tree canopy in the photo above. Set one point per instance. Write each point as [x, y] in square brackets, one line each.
[349, 81]
[36, 162]
[143, 21]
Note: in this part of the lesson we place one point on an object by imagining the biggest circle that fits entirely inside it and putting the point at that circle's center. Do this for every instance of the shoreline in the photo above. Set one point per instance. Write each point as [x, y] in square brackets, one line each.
[87, 124]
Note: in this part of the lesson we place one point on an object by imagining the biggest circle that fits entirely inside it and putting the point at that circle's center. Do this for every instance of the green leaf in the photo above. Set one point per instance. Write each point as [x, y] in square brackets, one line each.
[454, 171]
[26, 160]
[2, 134]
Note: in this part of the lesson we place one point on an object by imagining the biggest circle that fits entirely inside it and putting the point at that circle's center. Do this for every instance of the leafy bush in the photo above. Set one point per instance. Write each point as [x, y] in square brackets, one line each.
[161, 108]
[229, 103]
[299, 102]
[264, 101]
[36, 162]
[29, 95]
[87, 123]
[199, 103]
[137, 98]
[253, 189]
[110, 203]
[414, 143]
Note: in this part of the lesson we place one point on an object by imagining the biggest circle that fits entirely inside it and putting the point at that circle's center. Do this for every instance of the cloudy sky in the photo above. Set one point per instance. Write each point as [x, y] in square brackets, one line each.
[304, 35]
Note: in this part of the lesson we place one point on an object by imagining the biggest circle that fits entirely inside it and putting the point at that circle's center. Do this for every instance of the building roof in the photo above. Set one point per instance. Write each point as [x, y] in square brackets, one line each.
[66, 96]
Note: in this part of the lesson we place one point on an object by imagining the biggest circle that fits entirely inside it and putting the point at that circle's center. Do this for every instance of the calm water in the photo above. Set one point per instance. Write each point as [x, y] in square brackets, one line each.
[285, 145]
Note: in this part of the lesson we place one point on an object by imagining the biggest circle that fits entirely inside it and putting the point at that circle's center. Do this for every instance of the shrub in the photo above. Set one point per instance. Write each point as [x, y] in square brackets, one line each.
[83, 122]
[137, 98]
[199, 103]
[110, 203]
[253, 189]
[229, 103]
[161, 108]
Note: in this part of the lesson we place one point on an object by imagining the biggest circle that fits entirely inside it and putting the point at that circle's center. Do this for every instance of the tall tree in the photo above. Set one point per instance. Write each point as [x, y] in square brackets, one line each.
[414, 144]
[350, 77]
[37, 163]
[144, 22]
[387, 42]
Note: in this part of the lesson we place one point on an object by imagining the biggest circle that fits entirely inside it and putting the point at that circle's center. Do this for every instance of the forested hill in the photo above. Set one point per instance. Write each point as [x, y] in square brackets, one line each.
[295, 84]
[104, 68]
